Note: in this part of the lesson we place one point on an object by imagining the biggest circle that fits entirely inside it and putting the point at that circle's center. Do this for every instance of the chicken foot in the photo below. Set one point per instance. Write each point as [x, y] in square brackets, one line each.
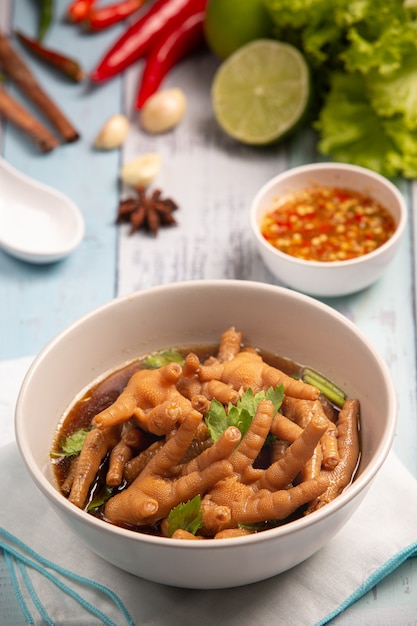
[96, 445]
[154, 492]
[248, 370]
[152, 397]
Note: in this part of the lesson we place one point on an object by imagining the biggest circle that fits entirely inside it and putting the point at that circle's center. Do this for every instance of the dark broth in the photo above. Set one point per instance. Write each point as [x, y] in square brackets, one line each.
[103, 393]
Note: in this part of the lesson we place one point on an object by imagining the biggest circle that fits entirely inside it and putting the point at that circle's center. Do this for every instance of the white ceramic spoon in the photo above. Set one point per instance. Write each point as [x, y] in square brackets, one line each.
[38, 224]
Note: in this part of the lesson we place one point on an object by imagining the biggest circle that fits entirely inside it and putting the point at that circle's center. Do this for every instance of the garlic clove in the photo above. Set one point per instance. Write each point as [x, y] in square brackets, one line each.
[141, 170]
[113, 133]
[163, 110]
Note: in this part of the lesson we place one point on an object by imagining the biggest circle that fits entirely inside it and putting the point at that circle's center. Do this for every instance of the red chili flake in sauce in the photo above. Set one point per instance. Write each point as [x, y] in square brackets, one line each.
[328, 224]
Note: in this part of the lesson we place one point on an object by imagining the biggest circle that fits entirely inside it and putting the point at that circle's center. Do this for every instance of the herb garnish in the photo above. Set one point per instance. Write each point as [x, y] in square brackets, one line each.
[186, 516]
[163, 358]
[100, 498]
[73, 443]
[241, 414]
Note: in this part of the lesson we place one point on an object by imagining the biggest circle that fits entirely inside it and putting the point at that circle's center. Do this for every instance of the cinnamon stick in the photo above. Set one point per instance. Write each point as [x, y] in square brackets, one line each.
[13, 111]
[15, 68]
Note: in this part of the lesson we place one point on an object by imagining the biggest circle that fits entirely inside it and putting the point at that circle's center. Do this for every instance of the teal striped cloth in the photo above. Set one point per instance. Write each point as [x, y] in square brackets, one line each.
[47, 576]
[22, 562]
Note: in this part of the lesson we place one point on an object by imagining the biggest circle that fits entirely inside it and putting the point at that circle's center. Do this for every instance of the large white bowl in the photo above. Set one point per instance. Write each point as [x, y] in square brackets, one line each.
[272, 318]
[336, 278]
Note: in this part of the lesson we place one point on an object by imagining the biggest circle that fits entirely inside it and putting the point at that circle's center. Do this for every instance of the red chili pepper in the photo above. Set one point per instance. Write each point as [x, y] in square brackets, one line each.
[78, 10]
[103, 17]
[67, 66]
[139, 37]
[341, 196]
[167, 51]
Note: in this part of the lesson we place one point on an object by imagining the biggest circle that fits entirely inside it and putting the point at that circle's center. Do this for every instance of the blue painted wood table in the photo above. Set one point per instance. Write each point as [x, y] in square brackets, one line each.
[213, 179]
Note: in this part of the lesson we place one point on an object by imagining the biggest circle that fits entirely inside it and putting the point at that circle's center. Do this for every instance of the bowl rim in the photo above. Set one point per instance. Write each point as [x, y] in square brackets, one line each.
[311, 167]
[361, 483]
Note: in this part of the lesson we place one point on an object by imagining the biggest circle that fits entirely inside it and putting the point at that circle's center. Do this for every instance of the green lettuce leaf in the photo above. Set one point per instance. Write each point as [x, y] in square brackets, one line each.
[351, 131]
[357, 34]
[363, 56]
[311, 25]
[395, 93]
[380, 34]
[406, 142]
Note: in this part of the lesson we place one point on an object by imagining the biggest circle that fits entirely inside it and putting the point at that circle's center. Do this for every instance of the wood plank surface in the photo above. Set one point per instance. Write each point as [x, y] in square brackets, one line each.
[37, 302]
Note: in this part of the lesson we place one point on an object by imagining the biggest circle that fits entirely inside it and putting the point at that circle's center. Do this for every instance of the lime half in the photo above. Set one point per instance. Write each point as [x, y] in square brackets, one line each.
[261, 92]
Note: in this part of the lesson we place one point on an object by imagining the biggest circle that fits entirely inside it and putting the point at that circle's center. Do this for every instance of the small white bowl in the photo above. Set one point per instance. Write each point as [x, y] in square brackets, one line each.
[336, 278]
[273, 318]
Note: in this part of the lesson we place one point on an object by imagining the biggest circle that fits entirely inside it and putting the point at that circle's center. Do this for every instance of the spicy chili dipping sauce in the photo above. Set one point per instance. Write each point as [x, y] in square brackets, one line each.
[327, 224]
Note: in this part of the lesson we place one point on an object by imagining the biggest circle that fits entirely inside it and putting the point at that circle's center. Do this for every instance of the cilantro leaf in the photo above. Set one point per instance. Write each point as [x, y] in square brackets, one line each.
[73, 443]
[276, 396]
[240, 415]
[163, 358]
[186, 516]
[216, 419]
[100, 498]
[248, 402]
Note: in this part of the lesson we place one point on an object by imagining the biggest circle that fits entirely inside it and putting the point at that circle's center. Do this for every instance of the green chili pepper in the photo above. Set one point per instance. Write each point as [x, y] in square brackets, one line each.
[45, 17]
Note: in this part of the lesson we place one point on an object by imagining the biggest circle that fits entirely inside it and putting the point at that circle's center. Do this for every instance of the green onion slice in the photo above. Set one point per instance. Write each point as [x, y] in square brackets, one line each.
[327, 388]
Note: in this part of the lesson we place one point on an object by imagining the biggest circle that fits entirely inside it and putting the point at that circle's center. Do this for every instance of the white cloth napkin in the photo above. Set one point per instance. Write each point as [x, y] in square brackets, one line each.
[47, 576]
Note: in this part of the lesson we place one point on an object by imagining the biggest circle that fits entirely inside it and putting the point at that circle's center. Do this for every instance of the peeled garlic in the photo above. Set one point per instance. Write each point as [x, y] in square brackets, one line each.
[141, 170]
[163, 110]
[113, 133]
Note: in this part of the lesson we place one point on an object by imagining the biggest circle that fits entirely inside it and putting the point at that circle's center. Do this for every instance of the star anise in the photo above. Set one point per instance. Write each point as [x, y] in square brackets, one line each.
[145, 211]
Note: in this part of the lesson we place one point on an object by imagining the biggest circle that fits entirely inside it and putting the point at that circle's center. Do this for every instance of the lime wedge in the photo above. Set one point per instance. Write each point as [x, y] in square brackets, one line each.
[261, 92]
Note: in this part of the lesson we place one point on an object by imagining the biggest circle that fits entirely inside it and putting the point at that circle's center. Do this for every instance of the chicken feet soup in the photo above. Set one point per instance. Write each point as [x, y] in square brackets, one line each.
[207, 442]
